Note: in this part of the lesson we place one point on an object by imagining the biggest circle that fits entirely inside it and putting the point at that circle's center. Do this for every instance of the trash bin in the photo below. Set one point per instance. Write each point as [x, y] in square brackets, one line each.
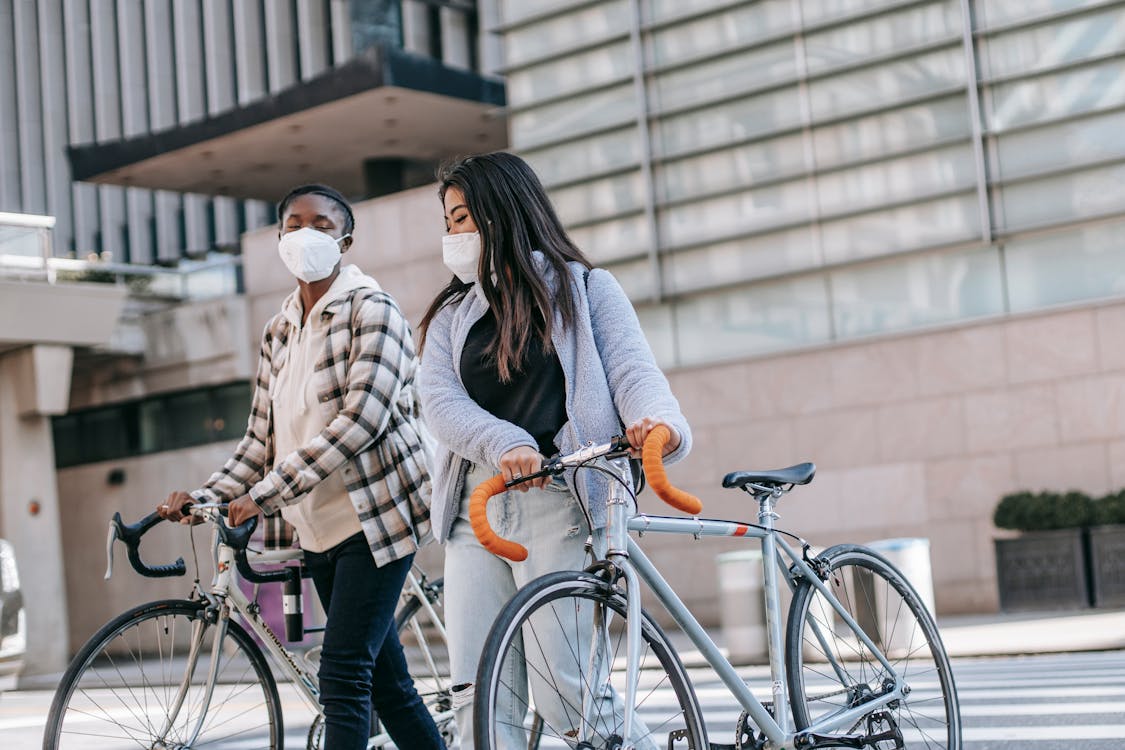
[742, 609]
[911, 556]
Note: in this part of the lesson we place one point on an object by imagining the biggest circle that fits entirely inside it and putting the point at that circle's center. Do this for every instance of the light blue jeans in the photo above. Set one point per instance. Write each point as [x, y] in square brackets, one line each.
[550, 523]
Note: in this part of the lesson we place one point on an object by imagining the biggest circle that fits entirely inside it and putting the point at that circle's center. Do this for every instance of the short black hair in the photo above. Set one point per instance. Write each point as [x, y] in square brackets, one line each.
[331, 194]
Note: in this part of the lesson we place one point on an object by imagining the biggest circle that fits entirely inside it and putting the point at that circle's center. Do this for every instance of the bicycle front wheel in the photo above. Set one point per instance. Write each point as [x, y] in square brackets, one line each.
[830, 669]
[143, 681]
[564, 635]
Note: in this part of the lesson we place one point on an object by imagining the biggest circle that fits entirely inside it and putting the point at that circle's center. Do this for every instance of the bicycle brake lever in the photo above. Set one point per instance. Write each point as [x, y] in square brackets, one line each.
[110, 539]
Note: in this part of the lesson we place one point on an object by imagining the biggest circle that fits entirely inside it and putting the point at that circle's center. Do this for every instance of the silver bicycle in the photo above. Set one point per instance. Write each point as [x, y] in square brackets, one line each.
[857, 663]
[191, 673]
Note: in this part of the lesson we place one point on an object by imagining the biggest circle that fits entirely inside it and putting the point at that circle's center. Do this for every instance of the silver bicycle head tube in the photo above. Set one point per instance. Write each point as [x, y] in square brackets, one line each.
[619, 508]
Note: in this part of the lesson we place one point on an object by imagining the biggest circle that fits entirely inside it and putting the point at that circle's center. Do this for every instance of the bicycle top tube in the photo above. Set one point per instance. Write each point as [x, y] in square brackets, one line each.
[617, 447]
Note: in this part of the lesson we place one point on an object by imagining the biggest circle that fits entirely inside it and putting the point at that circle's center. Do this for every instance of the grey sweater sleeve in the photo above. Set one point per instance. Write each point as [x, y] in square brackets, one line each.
[638, 386]
[453, 417]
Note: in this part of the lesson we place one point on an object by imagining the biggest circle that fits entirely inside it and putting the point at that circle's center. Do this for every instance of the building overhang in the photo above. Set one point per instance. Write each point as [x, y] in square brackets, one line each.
[66, 314]
[383, 105]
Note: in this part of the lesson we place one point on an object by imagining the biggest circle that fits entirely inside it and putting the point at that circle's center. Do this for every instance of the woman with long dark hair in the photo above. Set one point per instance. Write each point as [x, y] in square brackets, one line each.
[334, 449]
[527, 351]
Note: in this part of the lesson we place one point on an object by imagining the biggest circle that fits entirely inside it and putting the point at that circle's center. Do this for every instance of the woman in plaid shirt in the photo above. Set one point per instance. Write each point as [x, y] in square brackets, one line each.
[333, 450]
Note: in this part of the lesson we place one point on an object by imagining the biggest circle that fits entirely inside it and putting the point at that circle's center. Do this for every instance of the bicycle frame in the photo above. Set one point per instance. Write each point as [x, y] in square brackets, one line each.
[627, 555]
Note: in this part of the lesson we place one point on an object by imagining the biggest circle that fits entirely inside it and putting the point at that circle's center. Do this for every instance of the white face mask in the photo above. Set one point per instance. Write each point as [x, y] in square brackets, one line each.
[310, 254]
[461, 254]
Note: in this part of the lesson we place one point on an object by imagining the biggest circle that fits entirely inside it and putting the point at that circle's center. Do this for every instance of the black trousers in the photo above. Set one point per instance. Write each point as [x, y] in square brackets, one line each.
[362, 665]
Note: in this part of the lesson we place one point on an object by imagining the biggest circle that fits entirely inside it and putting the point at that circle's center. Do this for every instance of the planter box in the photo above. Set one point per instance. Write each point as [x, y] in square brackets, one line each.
[1107, 565]
[1042, 570]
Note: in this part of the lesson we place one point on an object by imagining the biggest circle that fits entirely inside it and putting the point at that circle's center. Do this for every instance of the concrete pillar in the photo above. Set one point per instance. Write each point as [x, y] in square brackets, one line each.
[35, 384]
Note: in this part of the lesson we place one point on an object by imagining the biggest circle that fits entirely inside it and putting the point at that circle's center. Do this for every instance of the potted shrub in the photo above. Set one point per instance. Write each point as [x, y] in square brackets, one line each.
[1045, 566]
[1107, 550]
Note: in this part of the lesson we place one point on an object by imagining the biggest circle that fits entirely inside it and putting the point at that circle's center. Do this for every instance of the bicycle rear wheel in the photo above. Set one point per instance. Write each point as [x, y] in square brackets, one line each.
[830, 669]
[132, 685]
[427, 654]
[575, 689]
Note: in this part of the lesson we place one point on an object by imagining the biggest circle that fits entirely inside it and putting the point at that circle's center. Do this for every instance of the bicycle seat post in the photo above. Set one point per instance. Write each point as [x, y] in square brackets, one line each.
[767, 498]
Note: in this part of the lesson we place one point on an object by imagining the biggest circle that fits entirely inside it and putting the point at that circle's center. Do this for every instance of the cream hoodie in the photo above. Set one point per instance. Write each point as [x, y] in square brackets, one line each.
[325, 516]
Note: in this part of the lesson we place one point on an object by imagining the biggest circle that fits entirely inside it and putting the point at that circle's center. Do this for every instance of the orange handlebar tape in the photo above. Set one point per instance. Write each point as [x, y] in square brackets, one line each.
[478, 518]
[652, 455]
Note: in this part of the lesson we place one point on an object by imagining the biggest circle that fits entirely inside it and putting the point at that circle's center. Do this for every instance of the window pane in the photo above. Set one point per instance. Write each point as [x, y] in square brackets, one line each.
[656, 322]
[741, 212]
[611, 240]
[517, 10]
[561, 33]
[662, 10]
[1062, 145]
[1041, 48]
[760, 318]
[882, 35]
[574, 73]
[1091, 193]
[897, 180]
[565, 119]
[736, 28]
[155, 429]
[888, 132]
[741, 260]
[719, 79]
[730, 168]
[727, 123]
[67, 436]
[231, 405]
[1052, 96]
[1077, 264]
[105, 433]
[885, 84]
[916, 291]
[1000, 12]
[189, 419]
[599, 198]
[580, 159]
[920, 225]
[825, 10]
[635, 277]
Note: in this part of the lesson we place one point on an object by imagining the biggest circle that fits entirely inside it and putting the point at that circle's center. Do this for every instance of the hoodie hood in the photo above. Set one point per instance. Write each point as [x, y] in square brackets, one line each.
[349, 279]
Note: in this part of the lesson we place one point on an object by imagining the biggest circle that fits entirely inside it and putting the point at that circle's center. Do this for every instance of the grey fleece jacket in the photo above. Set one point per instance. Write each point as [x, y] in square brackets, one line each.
[598, 400]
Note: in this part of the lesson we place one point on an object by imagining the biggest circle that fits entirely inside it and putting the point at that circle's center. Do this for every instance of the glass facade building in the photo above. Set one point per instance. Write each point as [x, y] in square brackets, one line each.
[771, 175]
[76, 73]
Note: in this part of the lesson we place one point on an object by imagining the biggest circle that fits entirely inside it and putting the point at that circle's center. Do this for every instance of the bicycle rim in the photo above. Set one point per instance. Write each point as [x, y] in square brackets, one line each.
[568, 629]
[830, 669]
[131, 686]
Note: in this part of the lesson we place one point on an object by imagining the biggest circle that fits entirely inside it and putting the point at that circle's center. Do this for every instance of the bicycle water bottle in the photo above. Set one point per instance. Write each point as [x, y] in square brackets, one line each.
[291, 606]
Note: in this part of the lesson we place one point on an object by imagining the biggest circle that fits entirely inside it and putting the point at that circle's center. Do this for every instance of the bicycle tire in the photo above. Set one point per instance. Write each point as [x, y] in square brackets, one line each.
[536, 613]
[119, 685]
[836, 670]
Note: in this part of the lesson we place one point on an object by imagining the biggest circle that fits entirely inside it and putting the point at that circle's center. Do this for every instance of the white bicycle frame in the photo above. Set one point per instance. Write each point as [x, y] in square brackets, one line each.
[635, 566]
[227, 596]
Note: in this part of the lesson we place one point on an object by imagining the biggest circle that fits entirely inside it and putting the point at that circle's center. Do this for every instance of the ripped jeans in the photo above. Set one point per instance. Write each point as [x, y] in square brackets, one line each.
[550, 523]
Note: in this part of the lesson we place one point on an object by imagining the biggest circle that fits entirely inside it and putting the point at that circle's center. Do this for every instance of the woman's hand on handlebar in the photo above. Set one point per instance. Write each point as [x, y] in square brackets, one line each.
[173, 509]
[242, 510]
[519, 462]
[639, 430]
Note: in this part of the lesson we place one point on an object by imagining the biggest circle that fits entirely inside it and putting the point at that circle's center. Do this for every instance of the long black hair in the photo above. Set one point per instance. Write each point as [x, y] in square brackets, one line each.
[514, 217]
[323, 191]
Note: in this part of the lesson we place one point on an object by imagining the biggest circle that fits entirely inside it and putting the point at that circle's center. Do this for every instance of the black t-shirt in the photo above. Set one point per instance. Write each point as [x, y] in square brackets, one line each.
[535, 399]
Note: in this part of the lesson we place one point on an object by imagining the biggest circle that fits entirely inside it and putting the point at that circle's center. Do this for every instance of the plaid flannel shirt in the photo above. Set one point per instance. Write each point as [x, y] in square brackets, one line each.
[365, 382]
